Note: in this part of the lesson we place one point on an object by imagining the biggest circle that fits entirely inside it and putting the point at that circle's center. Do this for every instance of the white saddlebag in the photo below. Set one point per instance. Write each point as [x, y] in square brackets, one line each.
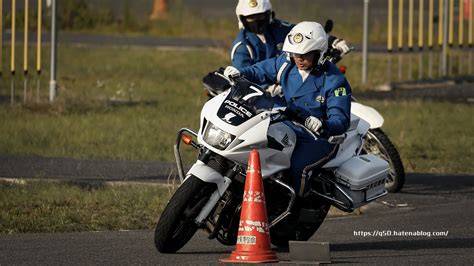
[361, 178]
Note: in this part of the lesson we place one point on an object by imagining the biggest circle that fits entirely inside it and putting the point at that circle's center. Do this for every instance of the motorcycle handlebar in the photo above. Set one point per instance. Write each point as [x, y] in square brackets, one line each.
[334, 55]
[291, 115]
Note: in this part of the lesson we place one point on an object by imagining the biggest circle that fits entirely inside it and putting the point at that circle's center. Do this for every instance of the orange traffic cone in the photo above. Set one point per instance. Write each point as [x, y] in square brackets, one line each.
[253, 239]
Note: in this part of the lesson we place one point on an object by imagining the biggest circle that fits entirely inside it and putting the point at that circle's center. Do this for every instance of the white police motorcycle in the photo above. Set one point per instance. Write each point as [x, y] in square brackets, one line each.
[233, 123]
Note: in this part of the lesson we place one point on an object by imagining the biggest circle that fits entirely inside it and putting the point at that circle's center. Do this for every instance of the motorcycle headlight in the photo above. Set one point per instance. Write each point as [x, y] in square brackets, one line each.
[216, 137]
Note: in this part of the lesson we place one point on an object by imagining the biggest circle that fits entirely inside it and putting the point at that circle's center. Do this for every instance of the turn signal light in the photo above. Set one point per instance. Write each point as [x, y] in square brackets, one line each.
[343, 69]
[187, 139]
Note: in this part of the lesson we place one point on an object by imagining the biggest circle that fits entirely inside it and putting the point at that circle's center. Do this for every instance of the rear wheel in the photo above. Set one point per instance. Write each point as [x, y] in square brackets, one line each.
[176, 225]
[379, 144]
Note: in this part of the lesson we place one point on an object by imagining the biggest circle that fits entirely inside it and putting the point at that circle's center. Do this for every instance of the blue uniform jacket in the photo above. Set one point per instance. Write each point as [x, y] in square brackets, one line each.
[324, 94]
[247, 49]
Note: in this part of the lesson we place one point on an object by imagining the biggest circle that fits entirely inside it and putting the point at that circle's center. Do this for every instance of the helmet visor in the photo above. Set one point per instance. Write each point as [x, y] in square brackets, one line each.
[311, 54]
[256, 23]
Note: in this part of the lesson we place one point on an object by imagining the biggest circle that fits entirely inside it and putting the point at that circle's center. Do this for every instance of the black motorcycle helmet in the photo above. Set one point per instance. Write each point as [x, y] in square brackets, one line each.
[257, 23]
[254, 15]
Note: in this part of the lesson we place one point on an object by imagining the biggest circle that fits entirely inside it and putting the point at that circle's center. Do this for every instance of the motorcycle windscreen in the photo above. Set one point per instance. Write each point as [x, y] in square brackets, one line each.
[244, 101]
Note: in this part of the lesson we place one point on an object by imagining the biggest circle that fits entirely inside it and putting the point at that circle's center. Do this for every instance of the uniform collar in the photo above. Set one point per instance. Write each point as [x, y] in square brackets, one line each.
[310, 85]
[258, 44]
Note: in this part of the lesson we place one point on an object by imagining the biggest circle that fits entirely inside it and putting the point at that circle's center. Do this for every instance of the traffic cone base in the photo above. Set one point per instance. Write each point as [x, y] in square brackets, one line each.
[251, 257]
[253, 239]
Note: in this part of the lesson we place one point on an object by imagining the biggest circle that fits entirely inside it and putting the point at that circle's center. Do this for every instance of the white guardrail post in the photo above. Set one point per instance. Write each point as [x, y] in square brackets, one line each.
[53, 83]
[365, 41]
[444, 54]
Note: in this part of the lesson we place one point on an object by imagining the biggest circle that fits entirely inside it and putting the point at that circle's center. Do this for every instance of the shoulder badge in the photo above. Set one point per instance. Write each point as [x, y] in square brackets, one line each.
[340, 92]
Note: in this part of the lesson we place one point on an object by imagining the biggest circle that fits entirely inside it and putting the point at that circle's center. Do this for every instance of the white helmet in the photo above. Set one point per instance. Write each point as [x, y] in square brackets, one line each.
[305, 37]
[247, 8]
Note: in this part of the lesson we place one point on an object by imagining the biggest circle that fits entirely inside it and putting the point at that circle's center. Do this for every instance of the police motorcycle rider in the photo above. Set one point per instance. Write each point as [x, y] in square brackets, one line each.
[261, 35]
[313, 88]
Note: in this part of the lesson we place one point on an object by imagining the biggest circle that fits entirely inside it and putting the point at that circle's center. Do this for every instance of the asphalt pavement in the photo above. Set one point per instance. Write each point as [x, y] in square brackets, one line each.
[447, 90]
[83, 170]
[79, 38]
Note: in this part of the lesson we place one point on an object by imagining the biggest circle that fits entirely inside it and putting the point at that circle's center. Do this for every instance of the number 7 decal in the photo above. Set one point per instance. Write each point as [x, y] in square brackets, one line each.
[250, 95]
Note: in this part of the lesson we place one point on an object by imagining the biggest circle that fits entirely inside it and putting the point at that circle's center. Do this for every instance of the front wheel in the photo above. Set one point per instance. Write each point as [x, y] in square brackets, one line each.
[176, 225]
[379, 144]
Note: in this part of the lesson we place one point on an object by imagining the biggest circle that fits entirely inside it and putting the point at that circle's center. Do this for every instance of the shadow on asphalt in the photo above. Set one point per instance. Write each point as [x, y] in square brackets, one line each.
[456, 93]
[432, 243]
[201, 252]
[426, 183]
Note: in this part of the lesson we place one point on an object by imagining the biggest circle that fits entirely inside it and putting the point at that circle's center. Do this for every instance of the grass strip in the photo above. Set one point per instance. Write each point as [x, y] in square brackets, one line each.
[67, 207]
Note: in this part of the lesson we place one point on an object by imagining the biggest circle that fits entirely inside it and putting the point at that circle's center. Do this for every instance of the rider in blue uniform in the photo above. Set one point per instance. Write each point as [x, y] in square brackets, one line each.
[313, 88]
[248, 48]
[261, 35]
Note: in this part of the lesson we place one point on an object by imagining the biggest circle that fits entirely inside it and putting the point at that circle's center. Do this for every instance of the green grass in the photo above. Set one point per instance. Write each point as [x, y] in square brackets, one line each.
[81, 123]
[430, 136]
[57, 207]
[167, 89]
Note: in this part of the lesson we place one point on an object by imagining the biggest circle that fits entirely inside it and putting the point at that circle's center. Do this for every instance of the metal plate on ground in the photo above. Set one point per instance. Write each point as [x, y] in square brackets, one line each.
[309, 252]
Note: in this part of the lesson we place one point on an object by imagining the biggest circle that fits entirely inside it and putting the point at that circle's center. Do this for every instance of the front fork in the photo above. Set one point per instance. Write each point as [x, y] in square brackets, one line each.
[207, 174]
[203, 172]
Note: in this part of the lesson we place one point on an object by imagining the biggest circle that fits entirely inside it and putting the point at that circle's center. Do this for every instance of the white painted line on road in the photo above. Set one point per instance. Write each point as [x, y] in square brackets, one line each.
[17, 181]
